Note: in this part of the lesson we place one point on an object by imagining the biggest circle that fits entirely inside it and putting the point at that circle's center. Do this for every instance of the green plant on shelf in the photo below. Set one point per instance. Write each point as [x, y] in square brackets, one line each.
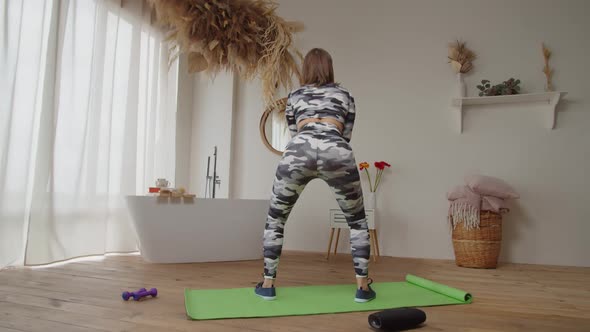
[509, 87]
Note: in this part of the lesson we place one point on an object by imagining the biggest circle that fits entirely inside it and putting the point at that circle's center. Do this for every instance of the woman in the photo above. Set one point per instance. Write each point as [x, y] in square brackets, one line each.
[320, 116]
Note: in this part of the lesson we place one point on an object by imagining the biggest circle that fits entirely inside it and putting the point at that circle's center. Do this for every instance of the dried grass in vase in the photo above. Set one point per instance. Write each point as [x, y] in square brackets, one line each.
[460, 57]
[546, 69]
[243, 36]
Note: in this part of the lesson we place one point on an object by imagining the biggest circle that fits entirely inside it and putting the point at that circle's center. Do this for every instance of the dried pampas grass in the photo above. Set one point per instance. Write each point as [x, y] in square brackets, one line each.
[546, 69]
[460, 57]
[243, 36]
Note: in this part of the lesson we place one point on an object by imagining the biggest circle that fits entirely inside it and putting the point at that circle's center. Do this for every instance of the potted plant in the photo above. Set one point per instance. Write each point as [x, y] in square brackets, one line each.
[373, 186]
[461, 60]
[508, 87]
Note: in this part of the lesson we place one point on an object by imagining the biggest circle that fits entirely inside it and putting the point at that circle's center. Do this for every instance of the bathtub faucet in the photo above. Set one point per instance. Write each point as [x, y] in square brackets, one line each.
[211, 182]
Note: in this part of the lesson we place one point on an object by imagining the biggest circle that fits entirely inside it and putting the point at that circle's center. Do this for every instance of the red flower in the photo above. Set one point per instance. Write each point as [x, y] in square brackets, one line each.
[381, 165]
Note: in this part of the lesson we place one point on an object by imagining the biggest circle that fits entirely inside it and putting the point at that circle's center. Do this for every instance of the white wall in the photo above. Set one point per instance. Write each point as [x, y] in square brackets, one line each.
[211, 126]
[184, 123]
[392, 56]
[204, 120]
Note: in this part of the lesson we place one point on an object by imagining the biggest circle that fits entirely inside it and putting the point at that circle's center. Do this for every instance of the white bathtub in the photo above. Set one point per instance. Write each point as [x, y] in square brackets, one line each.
[173, 230]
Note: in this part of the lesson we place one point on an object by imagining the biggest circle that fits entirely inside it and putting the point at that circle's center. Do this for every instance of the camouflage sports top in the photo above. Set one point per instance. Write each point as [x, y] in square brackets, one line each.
[326, 101]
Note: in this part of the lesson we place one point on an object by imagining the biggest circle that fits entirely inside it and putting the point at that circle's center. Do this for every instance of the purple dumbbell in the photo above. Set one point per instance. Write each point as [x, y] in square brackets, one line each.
[126, 295]
[139, 294]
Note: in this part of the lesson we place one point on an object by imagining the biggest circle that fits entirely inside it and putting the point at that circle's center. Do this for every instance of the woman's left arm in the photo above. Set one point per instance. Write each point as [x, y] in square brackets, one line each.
[290, 114]
[349, 119]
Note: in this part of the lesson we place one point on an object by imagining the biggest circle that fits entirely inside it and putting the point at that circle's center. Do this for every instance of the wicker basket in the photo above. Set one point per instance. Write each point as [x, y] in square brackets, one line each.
[479, 247]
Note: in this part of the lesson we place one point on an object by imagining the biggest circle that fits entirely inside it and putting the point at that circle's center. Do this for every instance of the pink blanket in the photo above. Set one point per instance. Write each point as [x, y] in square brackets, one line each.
[466, 202]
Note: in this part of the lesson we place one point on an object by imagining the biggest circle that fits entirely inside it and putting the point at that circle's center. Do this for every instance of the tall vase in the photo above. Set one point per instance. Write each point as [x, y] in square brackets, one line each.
[461, 87]
[371, 200]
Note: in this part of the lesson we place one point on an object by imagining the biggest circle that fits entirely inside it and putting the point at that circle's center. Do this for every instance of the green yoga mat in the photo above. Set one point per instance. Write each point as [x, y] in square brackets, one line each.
[311, 300]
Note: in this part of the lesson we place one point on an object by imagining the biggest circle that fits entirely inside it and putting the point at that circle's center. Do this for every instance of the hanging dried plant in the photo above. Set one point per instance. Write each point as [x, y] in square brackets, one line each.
[460, 57]
[546, 69]
[243, 36]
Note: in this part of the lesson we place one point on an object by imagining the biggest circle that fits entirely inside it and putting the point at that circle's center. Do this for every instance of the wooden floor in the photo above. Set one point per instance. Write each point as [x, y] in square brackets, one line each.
[85, 296]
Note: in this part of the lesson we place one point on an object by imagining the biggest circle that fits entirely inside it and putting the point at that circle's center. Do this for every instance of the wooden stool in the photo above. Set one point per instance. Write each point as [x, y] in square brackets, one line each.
[338, 222]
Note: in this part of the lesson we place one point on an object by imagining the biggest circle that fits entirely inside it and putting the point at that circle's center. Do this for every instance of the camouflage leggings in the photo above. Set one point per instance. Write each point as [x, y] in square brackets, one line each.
[318, 151]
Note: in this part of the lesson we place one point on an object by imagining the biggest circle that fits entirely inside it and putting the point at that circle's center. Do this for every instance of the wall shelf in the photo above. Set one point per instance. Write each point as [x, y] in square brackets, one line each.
[549, 101]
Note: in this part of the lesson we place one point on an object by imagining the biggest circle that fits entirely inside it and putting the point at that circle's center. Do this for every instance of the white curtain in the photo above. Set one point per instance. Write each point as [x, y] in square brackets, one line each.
[280, 131]
[87, 117]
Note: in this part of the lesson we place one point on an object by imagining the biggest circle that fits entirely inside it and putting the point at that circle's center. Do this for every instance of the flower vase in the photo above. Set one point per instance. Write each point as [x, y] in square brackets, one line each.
[371, 200]
[461, 87]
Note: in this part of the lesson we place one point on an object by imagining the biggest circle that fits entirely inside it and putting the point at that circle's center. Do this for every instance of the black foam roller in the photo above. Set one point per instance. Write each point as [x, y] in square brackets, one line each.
[397, 319]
